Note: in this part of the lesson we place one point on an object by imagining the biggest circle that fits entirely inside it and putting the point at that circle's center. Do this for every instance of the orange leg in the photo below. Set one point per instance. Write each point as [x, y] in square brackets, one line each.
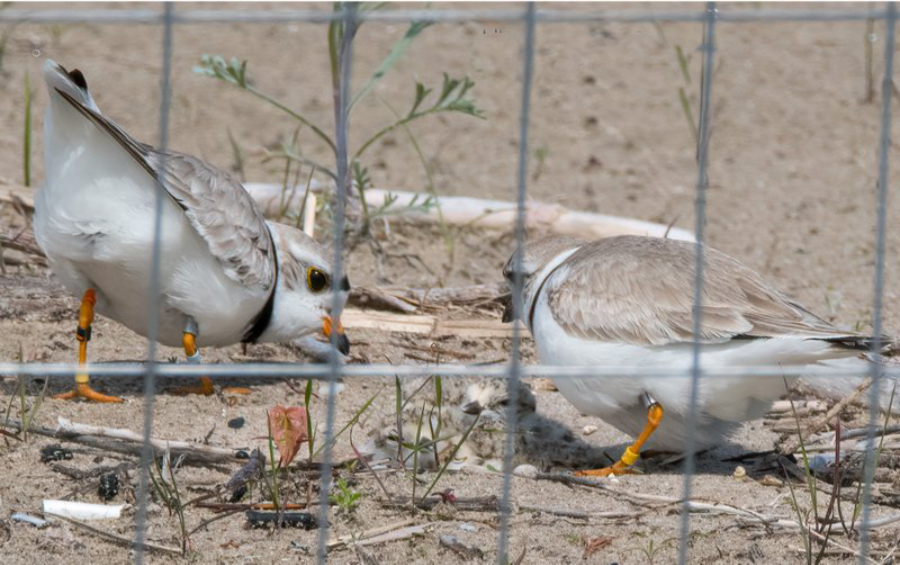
[189, 342]
[83, 335]
[632, 452]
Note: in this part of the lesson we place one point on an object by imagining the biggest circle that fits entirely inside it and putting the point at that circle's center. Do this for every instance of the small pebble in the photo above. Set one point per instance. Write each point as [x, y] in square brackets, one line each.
[526, 471]
[589, 429]
[54, 453]
[236, 423]
[467, 527]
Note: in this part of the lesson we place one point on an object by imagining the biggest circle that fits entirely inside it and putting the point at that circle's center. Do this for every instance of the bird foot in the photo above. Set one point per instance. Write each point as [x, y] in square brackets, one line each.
[606, 472]
[205, 389]
[231, 390]
[85, 391]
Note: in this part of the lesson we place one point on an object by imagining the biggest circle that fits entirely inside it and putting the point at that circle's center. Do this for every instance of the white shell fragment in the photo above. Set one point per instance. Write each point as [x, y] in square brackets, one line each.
[589, 429]
[526, 471]
[82, 510]
[28, 519]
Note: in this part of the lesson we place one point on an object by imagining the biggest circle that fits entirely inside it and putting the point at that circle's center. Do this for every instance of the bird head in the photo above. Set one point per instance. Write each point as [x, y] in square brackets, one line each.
[536, 254]
[304, 295]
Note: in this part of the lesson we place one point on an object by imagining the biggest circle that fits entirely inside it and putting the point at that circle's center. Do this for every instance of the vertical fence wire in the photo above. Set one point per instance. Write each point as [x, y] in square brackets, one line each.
[345, 57]
[700, 213]
[143, 493]
[517, 298]
[878, 293]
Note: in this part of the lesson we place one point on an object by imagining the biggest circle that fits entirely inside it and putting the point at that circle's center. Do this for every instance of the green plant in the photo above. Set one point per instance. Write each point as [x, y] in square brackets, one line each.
[26, 135]
[26, 413]
[344, 497]
[168, 492]
[451, 97]
[869, 44]
[682, 94]
[803, 515]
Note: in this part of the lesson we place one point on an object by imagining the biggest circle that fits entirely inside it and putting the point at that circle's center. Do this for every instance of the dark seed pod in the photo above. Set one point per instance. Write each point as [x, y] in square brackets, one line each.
[236, 423]
[238, 494]
[109, 486]
[262, 519]
[54, 453]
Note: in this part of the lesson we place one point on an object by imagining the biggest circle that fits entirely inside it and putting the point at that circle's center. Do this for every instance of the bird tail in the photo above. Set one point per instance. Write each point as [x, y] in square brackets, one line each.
[69, 84]
[858, 369]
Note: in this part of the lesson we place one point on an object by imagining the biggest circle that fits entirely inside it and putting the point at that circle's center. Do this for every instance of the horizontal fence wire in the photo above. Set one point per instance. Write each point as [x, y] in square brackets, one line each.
[123, 370]
[333, 370]
[145, 16]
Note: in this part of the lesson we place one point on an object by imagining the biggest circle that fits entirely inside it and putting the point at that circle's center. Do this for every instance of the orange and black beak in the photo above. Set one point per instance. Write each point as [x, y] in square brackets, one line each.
[343, 344]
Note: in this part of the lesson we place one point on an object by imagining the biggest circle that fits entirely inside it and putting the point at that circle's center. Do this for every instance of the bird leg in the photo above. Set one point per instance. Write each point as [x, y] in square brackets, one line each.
[192, 352]
[632, 452]
[83, 335]
[189, 342]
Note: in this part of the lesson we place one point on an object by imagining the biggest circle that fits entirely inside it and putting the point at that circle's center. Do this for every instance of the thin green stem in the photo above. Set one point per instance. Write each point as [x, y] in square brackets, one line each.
[452, 455]
[321, 134]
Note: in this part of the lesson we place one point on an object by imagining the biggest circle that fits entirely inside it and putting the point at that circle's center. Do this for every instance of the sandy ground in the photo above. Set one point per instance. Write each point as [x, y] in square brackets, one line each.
[792, 194]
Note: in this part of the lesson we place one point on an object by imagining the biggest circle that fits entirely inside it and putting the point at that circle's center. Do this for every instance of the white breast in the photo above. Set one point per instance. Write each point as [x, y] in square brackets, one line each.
[94, 219]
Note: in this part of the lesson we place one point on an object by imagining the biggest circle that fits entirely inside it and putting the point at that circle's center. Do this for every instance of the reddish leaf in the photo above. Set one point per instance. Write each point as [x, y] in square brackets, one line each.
[288, 431]
[593, 545]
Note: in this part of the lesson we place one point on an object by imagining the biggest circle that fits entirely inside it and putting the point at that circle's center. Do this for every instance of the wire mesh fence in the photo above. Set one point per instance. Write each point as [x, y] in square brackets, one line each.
[531, 17]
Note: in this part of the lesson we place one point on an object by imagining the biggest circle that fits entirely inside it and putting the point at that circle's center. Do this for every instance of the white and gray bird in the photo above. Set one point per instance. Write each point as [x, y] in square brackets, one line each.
[227, 275]
[627, 301]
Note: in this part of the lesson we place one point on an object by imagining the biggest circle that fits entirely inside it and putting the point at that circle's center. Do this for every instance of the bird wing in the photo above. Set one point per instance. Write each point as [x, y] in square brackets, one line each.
[218, 207]
[641, 290]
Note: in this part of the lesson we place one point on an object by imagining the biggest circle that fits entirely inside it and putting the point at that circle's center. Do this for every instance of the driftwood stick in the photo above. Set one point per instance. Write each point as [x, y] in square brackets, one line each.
[580, 514]
[480, 213]
[21, 240]
[66, 427]
[473, 504]
[378, 299]
[793, 443]
[17, 195]
[371, 533]
[126, 441]
[128, 542]
[408, 300]
[465, 295]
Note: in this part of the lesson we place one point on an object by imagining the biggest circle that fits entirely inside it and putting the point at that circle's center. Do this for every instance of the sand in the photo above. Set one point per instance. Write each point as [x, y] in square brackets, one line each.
[793, 167]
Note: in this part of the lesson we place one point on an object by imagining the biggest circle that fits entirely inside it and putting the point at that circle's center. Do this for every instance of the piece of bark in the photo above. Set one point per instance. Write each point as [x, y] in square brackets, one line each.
[424, 324]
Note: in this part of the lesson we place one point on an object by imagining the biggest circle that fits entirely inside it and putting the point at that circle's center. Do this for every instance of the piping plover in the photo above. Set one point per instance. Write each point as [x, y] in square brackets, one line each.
[226, 274]
[539, 440]
[627, 301]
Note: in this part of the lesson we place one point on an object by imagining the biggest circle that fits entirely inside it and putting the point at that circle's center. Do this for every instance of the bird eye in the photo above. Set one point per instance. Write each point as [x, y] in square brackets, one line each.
[316, 280]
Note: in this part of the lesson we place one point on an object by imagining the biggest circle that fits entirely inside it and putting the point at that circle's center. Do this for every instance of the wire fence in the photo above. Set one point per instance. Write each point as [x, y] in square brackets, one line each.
[529, 16]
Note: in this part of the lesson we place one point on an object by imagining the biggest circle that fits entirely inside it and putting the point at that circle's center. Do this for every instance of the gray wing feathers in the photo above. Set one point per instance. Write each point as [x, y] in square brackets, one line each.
[224, 215]
[217, 206]
[641, 290]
